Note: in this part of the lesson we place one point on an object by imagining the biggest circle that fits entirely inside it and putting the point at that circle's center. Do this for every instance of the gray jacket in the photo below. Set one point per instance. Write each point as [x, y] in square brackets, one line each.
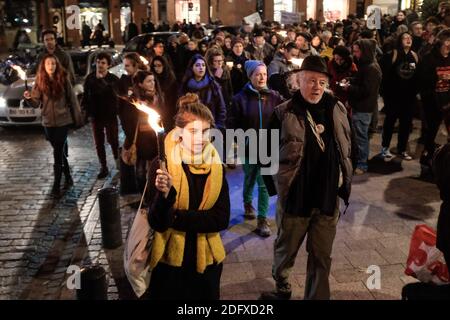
[280, 65]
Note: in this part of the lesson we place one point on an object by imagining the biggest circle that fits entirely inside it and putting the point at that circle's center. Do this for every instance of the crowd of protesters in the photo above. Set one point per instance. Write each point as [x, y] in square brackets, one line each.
[318, 83]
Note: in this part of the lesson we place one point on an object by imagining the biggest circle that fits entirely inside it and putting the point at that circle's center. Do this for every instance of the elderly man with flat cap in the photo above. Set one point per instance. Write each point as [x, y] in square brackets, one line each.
[315, 170]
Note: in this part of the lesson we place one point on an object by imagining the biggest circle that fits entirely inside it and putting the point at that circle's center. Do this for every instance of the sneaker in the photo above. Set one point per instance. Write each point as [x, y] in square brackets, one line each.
[250, 212]
[262, 228]
[359, 172]
[103, 173]
[386, 153]
[405, 156]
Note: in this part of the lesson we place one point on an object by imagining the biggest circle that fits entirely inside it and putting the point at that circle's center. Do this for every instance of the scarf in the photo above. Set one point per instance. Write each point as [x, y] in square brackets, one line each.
[194, 85]
[168, 247]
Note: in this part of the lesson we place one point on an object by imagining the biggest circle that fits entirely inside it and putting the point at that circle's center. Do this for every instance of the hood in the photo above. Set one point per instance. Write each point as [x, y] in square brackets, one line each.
[367, 47]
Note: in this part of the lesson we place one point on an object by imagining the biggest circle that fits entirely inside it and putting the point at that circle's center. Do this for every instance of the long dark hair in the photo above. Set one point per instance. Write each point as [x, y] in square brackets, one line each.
[167, 75]
[140, 93]
[189, 74]
[51, 87]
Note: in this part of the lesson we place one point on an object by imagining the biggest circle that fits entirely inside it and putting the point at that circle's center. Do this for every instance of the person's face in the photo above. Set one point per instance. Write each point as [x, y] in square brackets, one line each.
[50, 42]
[101, 65]
[356, 52]
[199, 69]
[315, 41]
[259, 41]
[238, 48]
[192, 45]
[340, 30]
[274, 40]
[400, 16]
[301, 43]
[148, 84]
[195, 136]
[203, 48]
[341, 43]
[217, 62]
[228, 43]
[406, 41]
[130, 67]
[259, 78]
[430, 27]
[159, 49]
[417, 30]
[291, 35]
[445, 48]
[50, 66]
[158, 67]
[246, 40]
[355, 26]
[288, 55]
[312, 85]
[338, 59]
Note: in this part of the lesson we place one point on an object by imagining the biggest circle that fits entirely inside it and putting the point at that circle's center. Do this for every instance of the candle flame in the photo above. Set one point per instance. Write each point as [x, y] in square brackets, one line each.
[22, 74]
[144, 61]
[154, 119]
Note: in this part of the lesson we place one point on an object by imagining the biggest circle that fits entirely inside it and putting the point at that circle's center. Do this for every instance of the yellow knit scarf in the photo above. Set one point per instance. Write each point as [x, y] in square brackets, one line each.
[168, 247]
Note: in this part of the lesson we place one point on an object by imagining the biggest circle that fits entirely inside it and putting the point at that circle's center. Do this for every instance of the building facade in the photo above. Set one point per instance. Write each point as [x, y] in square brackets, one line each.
[116, 14]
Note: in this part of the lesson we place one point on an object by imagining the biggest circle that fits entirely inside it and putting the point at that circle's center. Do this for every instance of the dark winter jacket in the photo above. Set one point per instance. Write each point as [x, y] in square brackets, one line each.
[237, 72]
[363, 90]
[100, 97]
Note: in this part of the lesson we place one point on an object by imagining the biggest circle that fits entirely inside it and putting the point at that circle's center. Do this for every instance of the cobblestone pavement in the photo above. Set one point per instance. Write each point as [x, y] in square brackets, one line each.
[40, 238]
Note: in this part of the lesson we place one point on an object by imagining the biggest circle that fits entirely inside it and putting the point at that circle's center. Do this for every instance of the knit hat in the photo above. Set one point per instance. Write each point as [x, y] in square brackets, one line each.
[316, 64]
[251, 65]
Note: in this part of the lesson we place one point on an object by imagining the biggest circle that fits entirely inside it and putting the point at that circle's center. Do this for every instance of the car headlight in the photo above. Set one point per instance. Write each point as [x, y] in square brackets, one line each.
[2, 102]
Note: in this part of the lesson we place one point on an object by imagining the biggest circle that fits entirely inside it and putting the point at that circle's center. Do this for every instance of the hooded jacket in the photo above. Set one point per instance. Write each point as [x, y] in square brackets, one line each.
[363, 89]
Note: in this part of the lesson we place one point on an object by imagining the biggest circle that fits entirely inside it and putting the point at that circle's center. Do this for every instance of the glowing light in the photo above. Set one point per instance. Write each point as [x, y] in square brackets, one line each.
[154, 119]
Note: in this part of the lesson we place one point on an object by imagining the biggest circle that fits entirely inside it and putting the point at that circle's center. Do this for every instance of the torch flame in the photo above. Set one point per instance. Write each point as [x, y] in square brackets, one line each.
[22, 74]
[154, 118]
[144, 61]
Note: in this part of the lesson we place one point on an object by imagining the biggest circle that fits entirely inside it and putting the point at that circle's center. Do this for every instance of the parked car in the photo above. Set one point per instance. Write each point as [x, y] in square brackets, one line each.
[138, 43]
[14, 109]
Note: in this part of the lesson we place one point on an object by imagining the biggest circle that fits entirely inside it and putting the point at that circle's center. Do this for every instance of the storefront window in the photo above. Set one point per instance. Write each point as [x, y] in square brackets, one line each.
[335, 9]
[282, 5]
[311, 9]
[187, 9]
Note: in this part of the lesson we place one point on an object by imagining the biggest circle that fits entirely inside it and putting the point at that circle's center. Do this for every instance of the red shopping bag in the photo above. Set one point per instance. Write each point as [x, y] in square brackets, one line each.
[425, 261]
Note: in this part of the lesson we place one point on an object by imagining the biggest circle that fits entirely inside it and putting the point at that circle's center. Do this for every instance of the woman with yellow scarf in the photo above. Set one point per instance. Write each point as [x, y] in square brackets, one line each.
[190, 205]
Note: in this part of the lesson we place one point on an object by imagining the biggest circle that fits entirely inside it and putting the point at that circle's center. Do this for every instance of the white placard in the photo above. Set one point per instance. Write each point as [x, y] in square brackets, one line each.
[253, 18]
[373, 17]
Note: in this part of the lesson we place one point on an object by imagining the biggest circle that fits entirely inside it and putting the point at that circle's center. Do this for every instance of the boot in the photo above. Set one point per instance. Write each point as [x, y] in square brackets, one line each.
[68, 178]
[282, 292]
[262, 228]
[103, 173]
[57, 172]
[249, 211]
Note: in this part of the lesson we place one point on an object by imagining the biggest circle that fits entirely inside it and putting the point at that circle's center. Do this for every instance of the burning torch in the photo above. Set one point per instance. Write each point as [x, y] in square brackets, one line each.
[154, 120]
[22, 75]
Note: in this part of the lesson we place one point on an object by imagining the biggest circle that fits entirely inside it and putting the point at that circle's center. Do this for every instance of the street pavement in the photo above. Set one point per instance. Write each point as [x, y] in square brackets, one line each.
[40, 237]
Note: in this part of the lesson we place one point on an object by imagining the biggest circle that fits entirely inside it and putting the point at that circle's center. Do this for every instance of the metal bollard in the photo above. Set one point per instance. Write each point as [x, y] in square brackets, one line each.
[93, 284]
[127, 179]
[108, 199]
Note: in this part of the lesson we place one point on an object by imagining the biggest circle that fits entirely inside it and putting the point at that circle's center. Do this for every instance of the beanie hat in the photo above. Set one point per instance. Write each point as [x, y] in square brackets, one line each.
[251, 65]
[342, 51]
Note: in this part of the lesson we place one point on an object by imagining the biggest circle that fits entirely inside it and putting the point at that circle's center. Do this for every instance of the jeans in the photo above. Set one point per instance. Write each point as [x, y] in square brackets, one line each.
[361, 122]
[252, 175]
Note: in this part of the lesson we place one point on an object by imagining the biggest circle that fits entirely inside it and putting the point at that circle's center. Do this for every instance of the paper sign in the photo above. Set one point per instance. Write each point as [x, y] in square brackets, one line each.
[253, 18]
[373, 17]
[289, 17]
